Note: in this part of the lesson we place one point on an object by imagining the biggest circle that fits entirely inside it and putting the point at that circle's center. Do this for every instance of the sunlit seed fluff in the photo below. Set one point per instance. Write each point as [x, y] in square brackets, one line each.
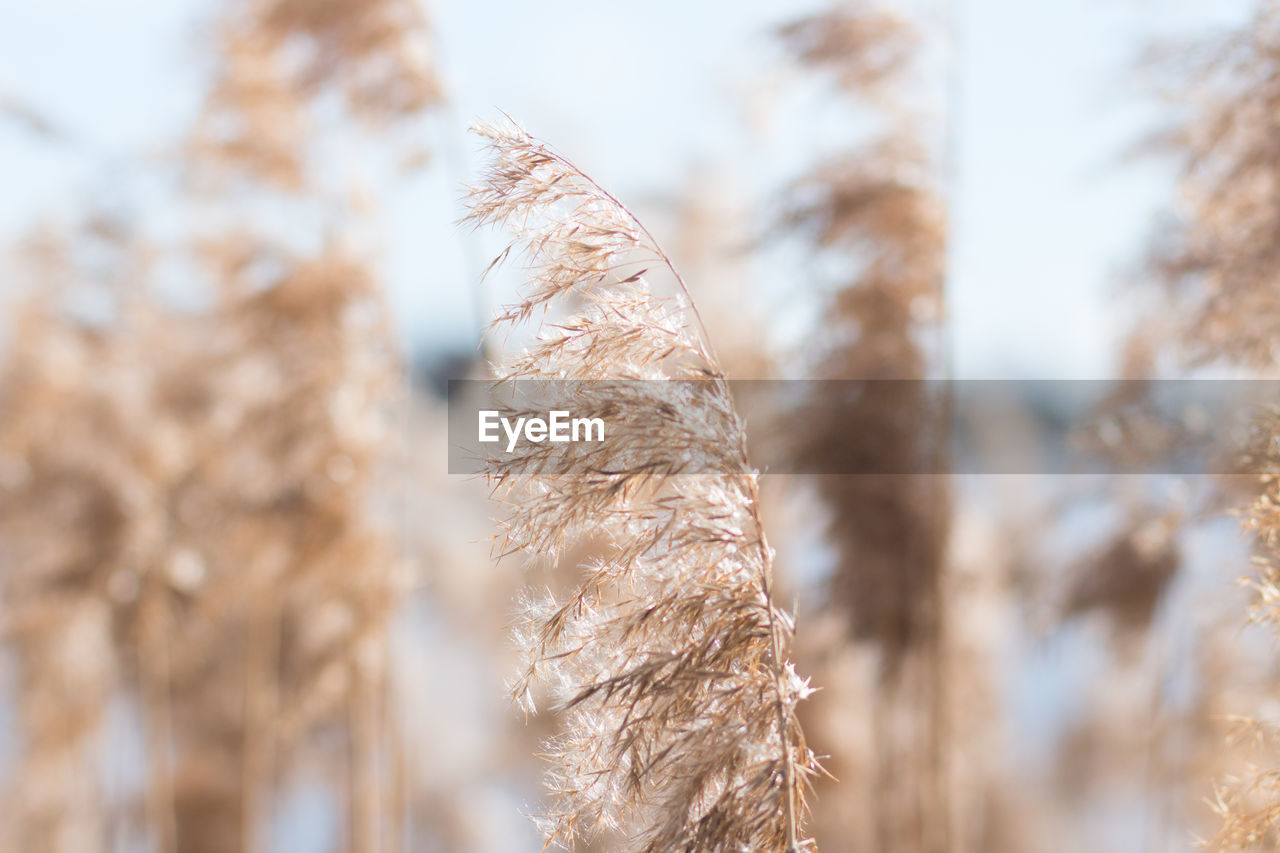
[668, 660]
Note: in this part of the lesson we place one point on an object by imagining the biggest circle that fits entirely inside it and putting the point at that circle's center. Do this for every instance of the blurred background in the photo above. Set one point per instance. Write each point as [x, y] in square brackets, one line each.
[245, 607]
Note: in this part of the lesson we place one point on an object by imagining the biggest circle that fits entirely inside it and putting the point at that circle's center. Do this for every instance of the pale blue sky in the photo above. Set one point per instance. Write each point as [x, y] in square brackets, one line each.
[1046, 215]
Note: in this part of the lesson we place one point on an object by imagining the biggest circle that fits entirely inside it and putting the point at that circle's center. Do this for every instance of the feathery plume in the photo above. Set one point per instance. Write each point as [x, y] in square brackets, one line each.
[668, 659]
[1217, 258]
[872, 211]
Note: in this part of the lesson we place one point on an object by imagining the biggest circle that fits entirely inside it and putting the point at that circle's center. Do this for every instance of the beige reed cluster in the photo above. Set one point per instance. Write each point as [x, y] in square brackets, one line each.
[187, 529]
